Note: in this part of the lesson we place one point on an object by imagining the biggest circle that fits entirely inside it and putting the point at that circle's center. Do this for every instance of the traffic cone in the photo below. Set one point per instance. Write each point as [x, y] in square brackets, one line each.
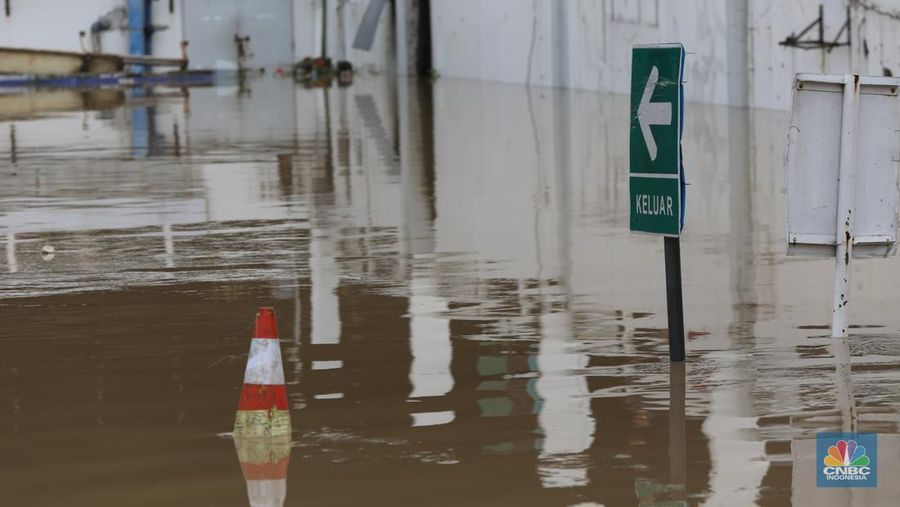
[264, 463]
[263, 408]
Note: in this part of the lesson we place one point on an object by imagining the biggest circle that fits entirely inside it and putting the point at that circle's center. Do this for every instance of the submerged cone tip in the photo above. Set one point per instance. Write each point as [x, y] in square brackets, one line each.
[265, 323]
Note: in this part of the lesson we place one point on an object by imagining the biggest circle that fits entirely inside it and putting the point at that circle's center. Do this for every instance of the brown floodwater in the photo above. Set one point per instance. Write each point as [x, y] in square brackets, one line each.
[465, 318]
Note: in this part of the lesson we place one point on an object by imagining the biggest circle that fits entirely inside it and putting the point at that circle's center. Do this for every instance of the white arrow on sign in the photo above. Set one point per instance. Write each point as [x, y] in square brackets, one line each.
[652, 113]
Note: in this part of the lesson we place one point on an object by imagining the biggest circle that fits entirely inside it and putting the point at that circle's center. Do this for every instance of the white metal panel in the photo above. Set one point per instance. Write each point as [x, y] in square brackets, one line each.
[876, 174]
[814, 141]
[813, 161]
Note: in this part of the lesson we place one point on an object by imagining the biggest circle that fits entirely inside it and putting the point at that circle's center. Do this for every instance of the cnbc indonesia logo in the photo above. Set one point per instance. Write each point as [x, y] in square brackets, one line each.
[846, 462]
[846, 458]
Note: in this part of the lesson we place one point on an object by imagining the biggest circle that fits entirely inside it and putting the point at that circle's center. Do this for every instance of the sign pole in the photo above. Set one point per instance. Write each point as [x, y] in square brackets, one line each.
[846, 188]
[673, 298]
[656, 172]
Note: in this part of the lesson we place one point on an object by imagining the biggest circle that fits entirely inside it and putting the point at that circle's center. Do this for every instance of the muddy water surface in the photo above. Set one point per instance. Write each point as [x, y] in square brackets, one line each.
[464, 316]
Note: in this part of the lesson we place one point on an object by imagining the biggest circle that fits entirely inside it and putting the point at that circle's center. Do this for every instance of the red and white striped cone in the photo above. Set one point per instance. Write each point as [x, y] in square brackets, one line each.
[264, 463]
[263, 408]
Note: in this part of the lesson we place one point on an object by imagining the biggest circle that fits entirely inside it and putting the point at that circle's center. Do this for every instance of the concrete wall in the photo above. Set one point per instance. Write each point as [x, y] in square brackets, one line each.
[734, 56]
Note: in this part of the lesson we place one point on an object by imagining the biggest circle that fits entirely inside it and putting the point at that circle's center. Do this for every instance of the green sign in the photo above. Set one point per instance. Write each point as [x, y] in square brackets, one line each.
[655, 205]
[655, 140]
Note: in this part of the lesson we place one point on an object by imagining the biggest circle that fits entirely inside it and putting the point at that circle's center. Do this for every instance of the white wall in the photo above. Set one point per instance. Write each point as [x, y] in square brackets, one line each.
[50, 24]
[734, 56]
[54, 24]
[167, 43]
[307, 41]
[876, 28]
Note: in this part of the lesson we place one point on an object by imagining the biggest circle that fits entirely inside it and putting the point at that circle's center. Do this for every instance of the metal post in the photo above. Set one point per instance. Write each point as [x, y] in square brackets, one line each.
[324, 29]
[822, 25]
[844, 239]
[673, 298]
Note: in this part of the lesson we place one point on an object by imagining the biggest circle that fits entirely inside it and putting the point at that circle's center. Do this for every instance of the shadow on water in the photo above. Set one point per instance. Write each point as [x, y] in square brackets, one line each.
[465, 317]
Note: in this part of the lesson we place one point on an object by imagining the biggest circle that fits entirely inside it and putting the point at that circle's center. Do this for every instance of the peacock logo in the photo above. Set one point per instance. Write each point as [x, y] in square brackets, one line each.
[846, 453]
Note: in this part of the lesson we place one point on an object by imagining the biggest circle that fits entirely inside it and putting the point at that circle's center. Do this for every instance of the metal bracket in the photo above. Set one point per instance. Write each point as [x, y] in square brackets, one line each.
[795, 40]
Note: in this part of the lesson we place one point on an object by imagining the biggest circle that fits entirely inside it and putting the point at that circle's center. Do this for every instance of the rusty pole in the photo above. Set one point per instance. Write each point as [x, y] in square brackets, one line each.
[844, 239]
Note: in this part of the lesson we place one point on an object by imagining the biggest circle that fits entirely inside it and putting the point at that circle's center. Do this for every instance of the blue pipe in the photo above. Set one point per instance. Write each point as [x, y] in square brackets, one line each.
[140, 28]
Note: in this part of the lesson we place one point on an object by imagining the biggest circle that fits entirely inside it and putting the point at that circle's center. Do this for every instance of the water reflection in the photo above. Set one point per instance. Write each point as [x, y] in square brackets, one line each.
[467, 304]
[264, 464]
[847, 419]
[677, 436]
[672, 492]
[565, 415]
[732, 418]
[12, 265]
[429, 337]
[23, 104]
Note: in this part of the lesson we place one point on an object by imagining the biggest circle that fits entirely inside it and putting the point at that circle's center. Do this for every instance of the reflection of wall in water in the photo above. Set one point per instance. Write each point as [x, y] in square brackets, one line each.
[258, 116]
[495, 178]
[507, 183]
[499, 190]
